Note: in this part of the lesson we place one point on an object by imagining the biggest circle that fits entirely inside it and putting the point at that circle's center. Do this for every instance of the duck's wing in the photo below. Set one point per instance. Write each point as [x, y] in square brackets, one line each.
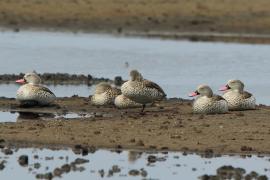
[246, 95]
[153, 85]
[217, 98]
[45, 89]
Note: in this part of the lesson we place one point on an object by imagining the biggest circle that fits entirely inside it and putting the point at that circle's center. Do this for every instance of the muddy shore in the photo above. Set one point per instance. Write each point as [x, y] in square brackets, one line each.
[169, 126]
[210, 20]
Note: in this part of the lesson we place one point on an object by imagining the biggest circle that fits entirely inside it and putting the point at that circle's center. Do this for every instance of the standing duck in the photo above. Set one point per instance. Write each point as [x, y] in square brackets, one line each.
[207, 102]
[122, 102]
[237, 98]
[32, 92]
[104, 94]
[141, 90]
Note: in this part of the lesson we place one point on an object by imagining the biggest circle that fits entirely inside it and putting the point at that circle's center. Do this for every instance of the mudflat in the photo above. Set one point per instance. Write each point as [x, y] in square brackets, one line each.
[230, 20]
[168, 126]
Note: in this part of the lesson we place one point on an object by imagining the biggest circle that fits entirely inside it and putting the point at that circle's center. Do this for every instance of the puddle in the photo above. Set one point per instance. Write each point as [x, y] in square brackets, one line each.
[27, 116]
[123, 165]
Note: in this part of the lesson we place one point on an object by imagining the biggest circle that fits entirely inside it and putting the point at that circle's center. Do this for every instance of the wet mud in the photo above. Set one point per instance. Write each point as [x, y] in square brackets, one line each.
[169, 125]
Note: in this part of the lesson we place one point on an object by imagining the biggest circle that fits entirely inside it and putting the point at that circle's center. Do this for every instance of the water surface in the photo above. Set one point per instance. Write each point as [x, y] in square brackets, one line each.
[178, 66]
[173, 165]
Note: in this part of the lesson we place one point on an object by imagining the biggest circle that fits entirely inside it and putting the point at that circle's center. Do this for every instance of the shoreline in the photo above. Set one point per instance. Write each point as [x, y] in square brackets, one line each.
[208, 36]
[168, 127]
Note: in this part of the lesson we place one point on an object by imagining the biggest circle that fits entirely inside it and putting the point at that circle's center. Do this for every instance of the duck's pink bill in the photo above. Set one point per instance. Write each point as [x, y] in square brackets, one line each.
[223, 88]
[192, 94]
[21, 81]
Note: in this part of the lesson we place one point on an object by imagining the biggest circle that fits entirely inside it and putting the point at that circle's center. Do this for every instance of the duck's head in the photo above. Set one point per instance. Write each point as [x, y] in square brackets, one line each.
[102, 87]
[235, 85]
[202, 90]
[135, 75]
[30, 78]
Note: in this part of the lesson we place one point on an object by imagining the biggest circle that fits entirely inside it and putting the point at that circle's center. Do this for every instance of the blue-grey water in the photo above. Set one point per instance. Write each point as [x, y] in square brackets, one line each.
[175, 165]
[178, 66]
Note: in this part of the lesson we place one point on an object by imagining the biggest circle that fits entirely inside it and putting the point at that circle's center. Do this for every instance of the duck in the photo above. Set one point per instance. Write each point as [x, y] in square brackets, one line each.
[141, 90]
[237, 98]
[207, 102]
[122, 102]
[32, 93]
[104, 94]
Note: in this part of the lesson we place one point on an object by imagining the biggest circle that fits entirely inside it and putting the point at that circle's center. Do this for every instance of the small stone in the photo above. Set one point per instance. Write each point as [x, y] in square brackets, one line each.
[37, 165]
[134, 172]
[66, 168]
[7, 151]
[152, 159]
[101, 172]
[116, 169]
[23, 160]
[81, 161]
[57, 172]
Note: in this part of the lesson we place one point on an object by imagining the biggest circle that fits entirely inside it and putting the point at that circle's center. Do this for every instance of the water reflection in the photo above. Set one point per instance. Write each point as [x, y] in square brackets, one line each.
[26, 116]
[31, 163]
[30, 116]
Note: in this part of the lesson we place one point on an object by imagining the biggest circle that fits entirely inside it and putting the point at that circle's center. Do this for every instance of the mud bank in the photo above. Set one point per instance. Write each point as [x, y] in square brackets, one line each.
[144, 17]
[169, 126]
[62, 78]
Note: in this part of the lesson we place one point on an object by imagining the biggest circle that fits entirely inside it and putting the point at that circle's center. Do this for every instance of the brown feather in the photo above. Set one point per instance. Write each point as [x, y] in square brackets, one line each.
[151, 84]
[246, 94]
[45, 89]
[217, 98]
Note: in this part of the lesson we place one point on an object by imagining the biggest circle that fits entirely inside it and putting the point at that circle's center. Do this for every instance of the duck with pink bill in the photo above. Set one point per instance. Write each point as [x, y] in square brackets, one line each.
[208, 103]
[32, 92]
[237, 98]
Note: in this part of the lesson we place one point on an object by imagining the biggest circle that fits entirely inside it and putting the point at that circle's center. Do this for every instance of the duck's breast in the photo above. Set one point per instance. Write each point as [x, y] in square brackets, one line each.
[40, 94]
[238, 101]
[209, 106]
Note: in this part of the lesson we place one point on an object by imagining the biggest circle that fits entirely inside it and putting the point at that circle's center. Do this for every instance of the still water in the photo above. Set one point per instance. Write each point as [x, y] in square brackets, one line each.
[173, 165]
[178, 66]
[6, 116]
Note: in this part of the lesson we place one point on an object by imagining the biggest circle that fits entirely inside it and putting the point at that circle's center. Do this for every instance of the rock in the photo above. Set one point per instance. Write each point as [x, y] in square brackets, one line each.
[2, 165]
[81, 161]
[151, 159]
[23, 160]
[115, 169]
[7, 151]
[66, 168]
[134, 172]
[118, 81]
[101, 172]
[143, 173]
[47, 176]
[37, 165]
[57, 172]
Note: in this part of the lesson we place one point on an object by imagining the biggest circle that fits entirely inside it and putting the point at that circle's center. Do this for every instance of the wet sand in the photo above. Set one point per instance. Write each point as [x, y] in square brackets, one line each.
[169, 126]
[210, 20]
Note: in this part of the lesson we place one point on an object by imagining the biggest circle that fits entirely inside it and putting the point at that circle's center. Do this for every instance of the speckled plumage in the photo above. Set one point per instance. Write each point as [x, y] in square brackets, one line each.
[33, 93]
[104, 95]
[122, 101]
[208, 103]
[237, 98]
[141, 90]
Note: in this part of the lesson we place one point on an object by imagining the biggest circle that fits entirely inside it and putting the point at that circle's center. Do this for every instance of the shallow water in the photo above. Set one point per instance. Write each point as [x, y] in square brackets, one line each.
[178, 66]
[9, 90]
[26, 116]
[174, 165]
